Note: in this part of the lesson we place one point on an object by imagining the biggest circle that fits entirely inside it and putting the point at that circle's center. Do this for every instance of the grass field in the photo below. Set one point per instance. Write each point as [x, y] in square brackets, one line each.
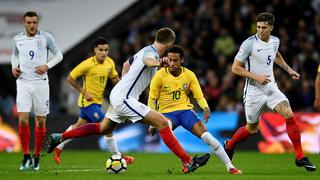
[77, 165]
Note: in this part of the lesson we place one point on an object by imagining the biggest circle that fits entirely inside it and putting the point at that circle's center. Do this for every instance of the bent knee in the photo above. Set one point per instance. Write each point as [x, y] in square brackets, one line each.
[252, 129]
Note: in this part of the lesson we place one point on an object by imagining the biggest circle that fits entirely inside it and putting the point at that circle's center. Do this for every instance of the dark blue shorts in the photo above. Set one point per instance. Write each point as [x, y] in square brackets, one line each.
[92, 113]
[185, 118]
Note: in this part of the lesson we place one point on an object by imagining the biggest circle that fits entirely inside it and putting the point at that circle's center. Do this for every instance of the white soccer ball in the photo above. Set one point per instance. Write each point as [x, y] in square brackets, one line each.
[116, 165]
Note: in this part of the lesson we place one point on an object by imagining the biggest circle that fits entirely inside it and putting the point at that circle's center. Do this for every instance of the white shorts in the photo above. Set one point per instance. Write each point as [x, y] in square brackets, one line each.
[129, 109]
[256, 104]
[33, 94]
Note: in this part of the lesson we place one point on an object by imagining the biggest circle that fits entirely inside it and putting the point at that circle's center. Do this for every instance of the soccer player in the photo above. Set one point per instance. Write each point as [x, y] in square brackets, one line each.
[124, 100]
[169, 94]
[30, 65]
[317, 90]
[95, 72]
[254, 61]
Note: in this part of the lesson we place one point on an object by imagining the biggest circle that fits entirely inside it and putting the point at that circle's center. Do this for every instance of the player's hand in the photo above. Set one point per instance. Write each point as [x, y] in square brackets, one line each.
[16, 72]
[294, 75]
[316, 103]
[87, 96]
[206, 114]
[42, 69]
[152, 130]
[263, 79]
[164, 62]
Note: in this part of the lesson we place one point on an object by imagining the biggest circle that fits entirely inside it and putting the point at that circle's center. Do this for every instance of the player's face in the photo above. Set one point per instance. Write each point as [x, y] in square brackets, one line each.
[264, 30]
[101, 52]
[31, 25]
[174, 62]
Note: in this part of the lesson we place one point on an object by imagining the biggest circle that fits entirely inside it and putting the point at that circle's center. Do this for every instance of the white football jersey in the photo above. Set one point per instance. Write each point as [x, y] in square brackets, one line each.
[32, 52]
[138, 78]
[258, 57]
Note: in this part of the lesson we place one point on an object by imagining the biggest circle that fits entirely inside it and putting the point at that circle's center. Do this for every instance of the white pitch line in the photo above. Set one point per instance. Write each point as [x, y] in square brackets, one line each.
[62, 171]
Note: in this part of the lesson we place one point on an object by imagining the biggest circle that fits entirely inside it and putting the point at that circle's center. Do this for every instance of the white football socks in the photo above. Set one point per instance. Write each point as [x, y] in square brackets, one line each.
[61, 145]
[217, 149]
[112, 145]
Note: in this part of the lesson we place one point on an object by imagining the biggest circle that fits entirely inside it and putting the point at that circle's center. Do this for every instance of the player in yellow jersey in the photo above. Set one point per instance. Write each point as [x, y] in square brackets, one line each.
[169, 94]
[95, 71]
[317, 90]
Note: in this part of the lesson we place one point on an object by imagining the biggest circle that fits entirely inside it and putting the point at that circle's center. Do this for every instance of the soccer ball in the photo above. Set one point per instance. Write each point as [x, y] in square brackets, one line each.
[116, 165]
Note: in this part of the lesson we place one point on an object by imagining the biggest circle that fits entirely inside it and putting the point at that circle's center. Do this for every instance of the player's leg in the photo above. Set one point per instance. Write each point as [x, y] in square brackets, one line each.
[39, 137]
[192, 123]
[158, 121]
[293, 131]
[24, 104]
[40, 100]
[59, 148]
[112, 144]
[254, 106]
[24, 135]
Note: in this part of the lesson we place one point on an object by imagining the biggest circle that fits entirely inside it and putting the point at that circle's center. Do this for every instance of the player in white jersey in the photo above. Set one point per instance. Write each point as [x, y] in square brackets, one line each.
[138, 72]
[30, 65]
[254, 61]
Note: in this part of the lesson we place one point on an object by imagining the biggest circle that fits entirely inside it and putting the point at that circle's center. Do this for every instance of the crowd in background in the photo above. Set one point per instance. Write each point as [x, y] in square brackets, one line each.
[211, 31]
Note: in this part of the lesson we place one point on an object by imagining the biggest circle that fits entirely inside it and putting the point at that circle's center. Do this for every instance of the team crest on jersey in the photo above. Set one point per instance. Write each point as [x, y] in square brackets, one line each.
[38, 43]
[185, 86]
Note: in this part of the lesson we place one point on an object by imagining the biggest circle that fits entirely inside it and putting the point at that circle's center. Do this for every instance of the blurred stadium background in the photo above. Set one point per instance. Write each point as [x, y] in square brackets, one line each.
[210, 31]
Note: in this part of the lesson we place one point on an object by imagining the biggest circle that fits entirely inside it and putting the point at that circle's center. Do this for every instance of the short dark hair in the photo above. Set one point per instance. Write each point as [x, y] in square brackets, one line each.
[30, 14]
[266, 17]
[165, 35]
[176, 49]
[100, 41]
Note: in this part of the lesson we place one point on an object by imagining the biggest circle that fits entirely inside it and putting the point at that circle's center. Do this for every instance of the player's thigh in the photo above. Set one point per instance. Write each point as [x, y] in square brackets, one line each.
[24, 96]
[254, 107]
[40, 96]
[155, 119]
[129, 109]
[188, 119]
[173, 119]
[278, 102]
[92, 113]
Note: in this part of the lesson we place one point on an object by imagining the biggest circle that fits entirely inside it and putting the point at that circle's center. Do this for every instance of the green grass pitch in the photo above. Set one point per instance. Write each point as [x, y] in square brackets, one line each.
[77, 165]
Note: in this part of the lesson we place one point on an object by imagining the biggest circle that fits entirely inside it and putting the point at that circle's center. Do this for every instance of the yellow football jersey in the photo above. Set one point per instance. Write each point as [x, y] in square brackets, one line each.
[171, 93]
[94, 76]
[319, 68]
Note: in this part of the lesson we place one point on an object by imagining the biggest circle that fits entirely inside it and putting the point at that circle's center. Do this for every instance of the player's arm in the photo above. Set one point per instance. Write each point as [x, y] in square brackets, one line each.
[53, 47]
[238, 68]
[198, 95]
[317, 90]
[75, 84]
[150, 61]
[15, 61]
[280, 61]
[126, 66]
[72, 79]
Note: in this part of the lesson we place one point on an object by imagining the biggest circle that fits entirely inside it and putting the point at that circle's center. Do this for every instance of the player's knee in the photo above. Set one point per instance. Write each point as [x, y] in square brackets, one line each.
[162, 123]
[23, 122]
[288, 114]
[253, 129]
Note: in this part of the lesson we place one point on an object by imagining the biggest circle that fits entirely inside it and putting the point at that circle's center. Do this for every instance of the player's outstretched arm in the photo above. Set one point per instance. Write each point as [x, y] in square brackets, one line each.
[280, 61]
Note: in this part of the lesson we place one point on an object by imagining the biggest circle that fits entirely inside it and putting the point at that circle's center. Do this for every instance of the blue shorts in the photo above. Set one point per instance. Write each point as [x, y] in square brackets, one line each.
[185, 118]
[92, 113]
